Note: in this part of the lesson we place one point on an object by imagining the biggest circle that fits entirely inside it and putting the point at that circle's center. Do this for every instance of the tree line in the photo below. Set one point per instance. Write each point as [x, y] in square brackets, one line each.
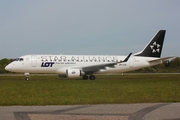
[3, 63]
[172, 66]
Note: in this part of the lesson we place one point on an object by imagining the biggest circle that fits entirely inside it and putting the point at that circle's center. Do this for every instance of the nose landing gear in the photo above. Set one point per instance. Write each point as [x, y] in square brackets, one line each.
[27, 76]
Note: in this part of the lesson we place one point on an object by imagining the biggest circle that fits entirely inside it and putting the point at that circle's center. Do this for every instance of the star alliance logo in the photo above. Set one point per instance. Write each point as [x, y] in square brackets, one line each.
[155, 47]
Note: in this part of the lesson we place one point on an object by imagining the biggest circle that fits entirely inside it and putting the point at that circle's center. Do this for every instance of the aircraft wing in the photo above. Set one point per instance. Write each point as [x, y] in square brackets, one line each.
[96, 68]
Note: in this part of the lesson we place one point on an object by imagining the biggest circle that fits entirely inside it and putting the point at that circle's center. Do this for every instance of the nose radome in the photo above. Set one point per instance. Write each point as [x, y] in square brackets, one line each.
[8, 67]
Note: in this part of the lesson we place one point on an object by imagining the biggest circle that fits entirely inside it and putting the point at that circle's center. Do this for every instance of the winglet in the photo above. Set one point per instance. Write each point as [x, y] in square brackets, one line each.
[127, 58]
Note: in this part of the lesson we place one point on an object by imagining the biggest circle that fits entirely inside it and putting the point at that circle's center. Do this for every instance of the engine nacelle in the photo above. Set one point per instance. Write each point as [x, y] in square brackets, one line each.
[73, 73]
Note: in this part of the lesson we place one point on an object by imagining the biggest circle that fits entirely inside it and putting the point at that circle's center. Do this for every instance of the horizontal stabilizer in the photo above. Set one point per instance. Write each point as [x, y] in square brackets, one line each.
[163, 59]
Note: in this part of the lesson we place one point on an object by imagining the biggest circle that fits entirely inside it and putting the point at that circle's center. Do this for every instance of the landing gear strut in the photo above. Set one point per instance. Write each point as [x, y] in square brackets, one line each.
[27, 76]
[91, 77]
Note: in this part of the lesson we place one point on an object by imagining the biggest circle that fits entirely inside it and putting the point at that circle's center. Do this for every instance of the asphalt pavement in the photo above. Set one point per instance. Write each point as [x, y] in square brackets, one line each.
[144, 111]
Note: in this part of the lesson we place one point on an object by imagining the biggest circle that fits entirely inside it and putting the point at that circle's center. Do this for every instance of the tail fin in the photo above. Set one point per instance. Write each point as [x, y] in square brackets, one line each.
[154, 48]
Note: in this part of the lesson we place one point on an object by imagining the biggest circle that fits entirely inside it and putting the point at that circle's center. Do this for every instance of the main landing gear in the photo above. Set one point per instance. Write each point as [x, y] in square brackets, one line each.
[91, 77]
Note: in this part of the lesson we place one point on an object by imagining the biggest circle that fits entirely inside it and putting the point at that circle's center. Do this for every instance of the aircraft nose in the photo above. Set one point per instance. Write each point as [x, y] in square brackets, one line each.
[8, 67]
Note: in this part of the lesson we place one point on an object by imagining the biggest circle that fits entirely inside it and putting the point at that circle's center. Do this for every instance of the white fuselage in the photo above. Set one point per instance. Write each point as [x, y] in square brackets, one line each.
[60, 63]
[83, 65]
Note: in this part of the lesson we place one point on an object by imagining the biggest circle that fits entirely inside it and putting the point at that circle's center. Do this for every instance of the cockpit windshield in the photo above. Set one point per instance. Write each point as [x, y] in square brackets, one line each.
[18, 59]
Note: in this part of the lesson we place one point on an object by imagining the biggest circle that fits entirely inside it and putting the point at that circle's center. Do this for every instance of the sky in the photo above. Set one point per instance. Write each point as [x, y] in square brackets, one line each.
[92, 27]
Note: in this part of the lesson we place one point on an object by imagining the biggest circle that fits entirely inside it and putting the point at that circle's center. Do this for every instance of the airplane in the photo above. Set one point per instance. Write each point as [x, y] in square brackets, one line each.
[85, 66]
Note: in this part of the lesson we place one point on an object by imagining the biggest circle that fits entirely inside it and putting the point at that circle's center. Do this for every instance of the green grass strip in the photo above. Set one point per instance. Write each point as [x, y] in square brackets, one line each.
[106, 89]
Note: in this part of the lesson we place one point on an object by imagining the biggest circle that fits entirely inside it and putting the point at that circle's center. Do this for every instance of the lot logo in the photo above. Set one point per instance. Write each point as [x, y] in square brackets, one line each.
[47, 64]
[73, 72]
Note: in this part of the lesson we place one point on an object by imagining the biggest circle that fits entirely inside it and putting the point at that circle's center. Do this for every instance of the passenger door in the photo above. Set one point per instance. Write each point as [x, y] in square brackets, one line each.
[34, 60]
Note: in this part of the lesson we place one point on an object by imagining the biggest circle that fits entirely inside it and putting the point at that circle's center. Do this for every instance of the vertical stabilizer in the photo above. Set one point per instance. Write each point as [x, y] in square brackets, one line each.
[154, 48]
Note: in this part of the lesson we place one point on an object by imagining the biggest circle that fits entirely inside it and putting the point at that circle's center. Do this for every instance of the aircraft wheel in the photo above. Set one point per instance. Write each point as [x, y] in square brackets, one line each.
[27, 78]
[92, 77]
[85, 77]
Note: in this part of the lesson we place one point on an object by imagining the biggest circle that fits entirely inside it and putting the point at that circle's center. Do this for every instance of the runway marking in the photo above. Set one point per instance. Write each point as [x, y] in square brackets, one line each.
[61, 114]
[140, 114]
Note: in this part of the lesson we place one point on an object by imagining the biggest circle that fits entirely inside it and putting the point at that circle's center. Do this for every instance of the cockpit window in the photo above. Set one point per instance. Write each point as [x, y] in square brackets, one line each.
[18, 59]
[21, 59]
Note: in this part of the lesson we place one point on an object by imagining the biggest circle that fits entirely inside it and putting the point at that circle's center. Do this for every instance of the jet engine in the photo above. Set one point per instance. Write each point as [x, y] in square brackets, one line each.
[73, 73]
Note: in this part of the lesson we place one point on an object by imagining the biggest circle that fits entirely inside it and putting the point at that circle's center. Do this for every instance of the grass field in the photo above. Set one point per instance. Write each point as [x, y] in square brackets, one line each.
[106, 89]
